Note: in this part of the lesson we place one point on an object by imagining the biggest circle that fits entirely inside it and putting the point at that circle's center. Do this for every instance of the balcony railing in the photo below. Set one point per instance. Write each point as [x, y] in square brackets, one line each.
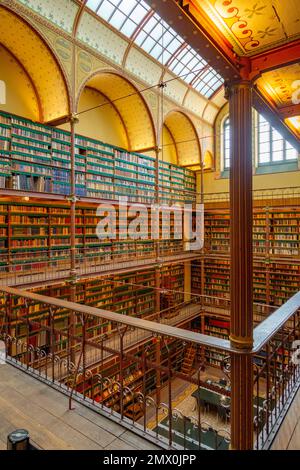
[137, 372]
[268, 195]
[38, 266]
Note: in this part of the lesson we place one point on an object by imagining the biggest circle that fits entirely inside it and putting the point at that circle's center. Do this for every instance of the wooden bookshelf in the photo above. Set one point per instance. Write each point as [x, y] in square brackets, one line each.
[276, 249]
[36, 231]
[172, 279]
[36, 158]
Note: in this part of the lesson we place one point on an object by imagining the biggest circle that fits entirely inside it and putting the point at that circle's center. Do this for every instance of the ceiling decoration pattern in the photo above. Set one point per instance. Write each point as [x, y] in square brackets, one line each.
[62, 13]
[279, 84]
[61, 46]
[255, 25]
[194, 102]
[38, 61]
[175, 89]
[96, 35]
[142, 67]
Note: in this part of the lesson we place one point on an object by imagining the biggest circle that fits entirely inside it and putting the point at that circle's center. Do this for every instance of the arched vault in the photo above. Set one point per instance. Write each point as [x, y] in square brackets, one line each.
[35, 57]
[130, 105]
[185, 138]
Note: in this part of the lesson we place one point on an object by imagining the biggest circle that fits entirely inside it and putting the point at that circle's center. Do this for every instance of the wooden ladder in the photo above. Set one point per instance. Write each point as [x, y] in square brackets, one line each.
[188, 360]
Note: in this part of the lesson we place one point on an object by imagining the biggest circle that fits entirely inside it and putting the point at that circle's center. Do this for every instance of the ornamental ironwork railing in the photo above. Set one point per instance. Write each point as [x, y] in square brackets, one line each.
[152, 377]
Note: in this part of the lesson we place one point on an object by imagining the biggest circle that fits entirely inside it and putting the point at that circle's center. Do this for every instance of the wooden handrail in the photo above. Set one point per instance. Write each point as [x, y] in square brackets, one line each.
[262, 333]
[268, 327]
[153, 327]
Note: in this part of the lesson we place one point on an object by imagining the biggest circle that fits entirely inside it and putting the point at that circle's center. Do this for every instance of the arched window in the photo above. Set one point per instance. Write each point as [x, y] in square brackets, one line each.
[272, 148]
[226, 143]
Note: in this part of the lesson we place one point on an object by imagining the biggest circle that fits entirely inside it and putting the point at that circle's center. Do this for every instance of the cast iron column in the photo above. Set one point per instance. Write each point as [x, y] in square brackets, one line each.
[241, 320]
[73, 121]
[72, 282]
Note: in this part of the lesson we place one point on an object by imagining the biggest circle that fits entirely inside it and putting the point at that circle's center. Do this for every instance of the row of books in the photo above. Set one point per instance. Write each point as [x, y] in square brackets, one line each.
[273, 283]
[46, 226]
[36, 150]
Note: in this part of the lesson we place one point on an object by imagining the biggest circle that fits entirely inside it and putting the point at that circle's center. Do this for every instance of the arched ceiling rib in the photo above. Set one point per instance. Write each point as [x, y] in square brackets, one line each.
[185, 137]
[130, 106]
[38, 61]
[146, 29]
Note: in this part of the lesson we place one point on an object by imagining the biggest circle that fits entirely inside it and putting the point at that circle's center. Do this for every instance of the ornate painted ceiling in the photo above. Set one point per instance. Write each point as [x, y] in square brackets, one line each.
[256, 25]
[249, 28]
[294, 123]
[281, 84]
[252, 32]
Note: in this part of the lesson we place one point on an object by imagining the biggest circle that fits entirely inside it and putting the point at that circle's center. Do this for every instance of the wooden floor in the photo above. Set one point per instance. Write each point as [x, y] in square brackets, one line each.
[27, 403]
[288, 436]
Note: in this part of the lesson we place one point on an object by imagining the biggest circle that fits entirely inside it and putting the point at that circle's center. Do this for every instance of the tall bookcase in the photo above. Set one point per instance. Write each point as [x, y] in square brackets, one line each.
[36, 231]
[276, 250]
[36, 158]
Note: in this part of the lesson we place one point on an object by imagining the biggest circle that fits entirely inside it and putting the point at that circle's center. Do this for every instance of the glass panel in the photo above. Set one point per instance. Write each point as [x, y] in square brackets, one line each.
[226, 131]
[128, 28]
[164, 39]
[118, 12]
[277, 146]
[208, 81]
[276, 135]
[264, 147]
[118, 19]
[277, 156]
[105, 10]
[272, 147]
[264, 137]
[93, 4]
[291, 154]
[264, 158]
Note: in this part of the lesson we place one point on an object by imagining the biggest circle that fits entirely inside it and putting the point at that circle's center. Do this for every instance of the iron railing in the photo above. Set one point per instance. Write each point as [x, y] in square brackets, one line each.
[262, 195]
[43, 267]
[137, 372]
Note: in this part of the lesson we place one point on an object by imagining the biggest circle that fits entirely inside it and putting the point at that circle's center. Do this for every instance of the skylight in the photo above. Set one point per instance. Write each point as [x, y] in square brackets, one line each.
[124, 15]
[187, 63]
[158, 39]
[136, 20]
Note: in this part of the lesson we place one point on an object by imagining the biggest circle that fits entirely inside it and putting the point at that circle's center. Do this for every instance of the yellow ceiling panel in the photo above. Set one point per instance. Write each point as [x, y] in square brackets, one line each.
[280, 84]
[185, 137]
[256, 26]
[131, 107]
[36, 58]
[21, 97]
[294, 124]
